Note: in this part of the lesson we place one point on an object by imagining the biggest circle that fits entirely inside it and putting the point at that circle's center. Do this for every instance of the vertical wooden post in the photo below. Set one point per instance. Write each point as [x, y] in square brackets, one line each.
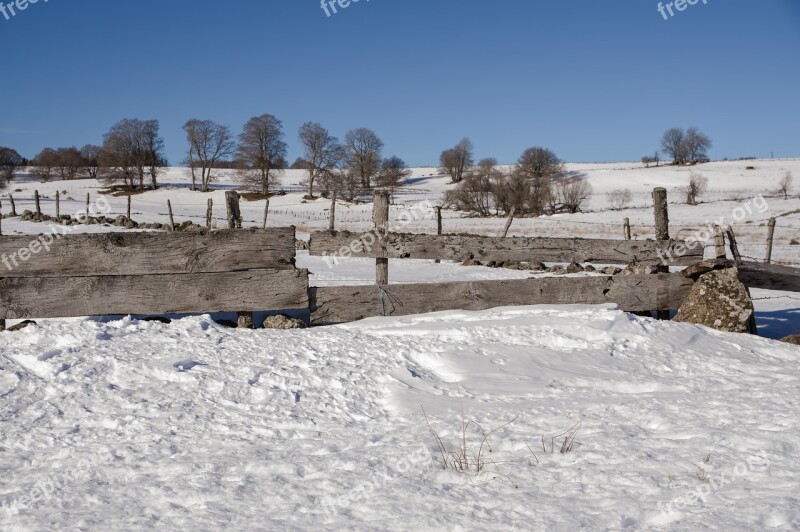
[129, 207]
[234, 214]
[719, 243]
[662, 231]
[58, 205]
[266, 213]
[510, 221]
[438, 226]
[332, 218]
[13, 205]
[380, 216]
[87, 204]
[1, 223]
[171, 219]
[626, 227]
[732, 243]
[770, 237]
[36, 199]
[209, 212]
[661, 213]
[2, 325]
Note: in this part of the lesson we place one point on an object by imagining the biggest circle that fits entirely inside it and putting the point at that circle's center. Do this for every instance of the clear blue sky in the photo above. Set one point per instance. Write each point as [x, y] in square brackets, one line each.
[594, 80]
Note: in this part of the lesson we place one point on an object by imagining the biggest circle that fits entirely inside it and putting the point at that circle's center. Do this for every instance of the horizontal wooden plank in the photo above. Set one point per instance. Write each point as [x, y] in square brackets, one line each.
[137, 253]
[522, 249]
[254, 290]
[769, 276]
[631, 293]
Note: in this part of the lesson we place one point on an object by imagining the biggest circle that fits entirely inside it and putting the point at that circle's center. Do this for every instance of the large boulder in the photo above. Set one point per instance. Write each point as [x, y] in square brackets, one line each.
[720, 301]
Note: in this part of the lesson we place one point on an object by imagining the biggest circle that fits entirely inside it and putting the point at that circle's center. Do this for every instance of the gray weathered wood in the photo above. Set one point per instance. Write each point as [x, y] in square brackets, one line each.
[438, 225]
[171, 218]
[732, 243]
[209, 212]
[234, 212]
[769, 276]
[266, 213]
[632, 293]
[253, 290]
[509, 221]
[770, 236]
[626, 229]
[661, 213]
[332, 218]
[380, 215]
[36, 201]
[58, 204]
[463, 247]
[719, 243]
[129, 207]
[129, 253]
[13, 205]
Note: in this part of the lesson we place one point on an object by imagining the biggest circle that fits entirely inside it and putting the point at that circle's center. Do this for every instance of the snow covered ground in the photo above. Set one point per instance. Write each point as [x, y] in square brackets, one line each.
[124, 424]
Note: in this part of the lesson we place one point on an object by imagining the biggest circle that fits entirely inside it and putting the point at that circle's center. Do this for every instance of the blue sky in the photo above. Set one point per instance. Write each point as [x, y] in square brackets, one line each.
[594, 80]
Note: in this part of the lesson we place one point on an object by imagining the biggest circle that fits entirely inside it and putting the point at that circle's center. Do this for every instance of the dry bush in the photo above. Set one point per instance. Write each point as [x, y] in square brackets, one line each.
[698, 185]
[785, 185]
[619, 198]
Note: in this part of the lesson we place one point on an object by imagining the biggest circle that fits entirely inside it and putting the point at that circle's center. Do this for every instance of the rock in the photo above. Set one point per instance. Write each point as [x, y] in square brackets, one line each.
[512, 265]
[245, 321]
[720, 301]
[589, 268]
[635, 268]
[184, 226]
[300, 245]
[282, 321]
[701, 268]
[557, 270]
[227, 323]
[610, 270]
[536, 266]
[793, 339]
[21, 325]
[574, 268]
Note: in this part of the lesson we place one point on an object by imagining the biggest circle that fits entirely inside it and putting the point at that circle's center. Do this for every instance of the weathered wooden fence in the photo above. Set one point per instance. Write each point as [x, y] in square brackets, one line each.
[150, 273]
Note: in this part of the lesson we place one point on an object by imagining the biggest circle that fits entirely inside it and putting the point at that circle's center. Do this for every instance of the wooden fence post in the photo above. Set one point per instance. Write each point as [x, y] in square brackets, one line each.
[719, 243]
[36, 199]
[661, 211]
[380, 216]
[13, 205]
[58, 205]
[732, 243]
[626, 227]
[87, 206]
[1, 222]
[234, 214]
[510, 221]
[129, 207]
[266, 213]
[770, 237]
[438, 226]
[171, 219]
[332, 218]
[209, 212]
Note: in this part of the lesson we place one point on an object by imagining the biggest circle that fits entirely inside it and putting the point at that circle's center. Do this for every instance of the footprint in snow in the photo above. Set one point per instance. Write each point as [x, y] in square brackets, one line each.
[186, 365]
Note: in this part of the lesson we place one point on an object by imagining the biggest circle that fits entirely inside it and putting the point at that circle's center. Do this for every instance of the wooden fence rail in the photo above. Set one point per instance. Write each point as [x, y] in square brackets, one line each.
[522, 249]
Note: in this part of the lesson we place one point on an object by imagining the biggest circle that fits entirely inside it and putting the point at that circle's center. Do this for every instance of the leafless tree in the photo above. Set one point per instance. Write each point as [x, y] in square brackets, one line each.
[647, 160]
[262, 151]
[619, 198]
[90, 155]
[131, 149]
[573, 191]
[10, 161]
[455, 161]
[697, 145]
[209, 143]
[673, 143]
[45, 163]
[299, 164]
[322, 151]
[69, 162]
[785, 185]
[363, 150]
[698, 184]
[393, 171]
[541, 167]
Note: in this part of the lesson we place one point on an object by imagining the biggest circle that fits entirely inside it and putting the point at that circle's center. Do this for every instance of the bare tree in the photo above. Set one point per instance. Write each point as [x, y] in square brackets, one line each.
[45, 163]
[785, 185]
[542, 168]
[573, 191]
[322, 151]
[647, 160]
[697, 145]
[69, 162]
[209, 143]
[619, 198]
[455, 161]
[363, 150]
[393, 172]
[698, 184]
[673, 143]
[90, 155]
[262, 151]
[131, 149]
[10, 161]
